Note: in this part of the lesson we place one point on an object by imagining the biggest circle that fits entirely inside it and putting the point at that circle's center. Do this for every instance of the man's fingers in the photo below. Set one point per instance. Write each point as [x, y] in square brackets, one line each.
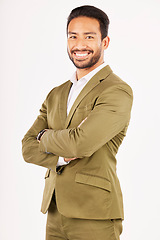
[82, 122]
[69, 159]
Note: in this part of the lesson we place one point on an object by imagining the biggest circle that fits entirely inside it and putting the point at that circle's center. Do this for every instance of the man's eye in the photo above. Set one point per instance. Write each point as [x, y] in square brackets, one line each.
[89, 37]
[72, 37]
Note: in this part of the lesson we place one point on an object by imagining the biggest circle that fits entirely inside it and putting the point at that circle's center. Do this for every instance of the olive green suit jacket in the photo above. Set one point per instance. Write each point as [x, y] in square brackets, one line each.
[88, 187]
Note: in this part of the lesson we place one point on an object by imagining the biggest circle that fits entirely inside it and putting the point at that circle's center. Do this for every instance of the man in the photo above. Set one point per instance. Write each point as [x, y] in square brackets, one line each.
[77, 135]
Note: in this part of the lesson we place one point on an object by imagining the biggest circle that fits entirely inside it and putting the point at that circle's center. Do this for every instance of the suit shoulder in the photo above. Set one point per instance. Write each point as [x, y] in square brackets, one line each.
[57, 89]
[114, 81]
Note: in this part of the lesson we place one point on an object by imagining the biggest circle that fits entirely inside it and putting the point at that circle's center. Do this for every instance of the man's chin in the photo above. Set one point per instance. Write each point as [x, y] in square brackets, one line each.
[82, 65]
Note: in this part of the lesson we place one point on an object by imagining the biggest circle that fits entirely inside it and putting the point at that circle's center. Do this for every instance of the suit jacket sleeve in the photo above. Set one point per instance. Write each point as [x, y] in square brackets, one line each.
[30, 145]
[111, 114]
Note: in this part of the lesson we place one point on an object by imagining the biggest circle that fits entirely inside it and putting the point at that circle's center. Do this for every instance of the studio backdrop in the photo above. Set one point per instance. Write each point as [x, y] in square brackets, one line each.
[33, 60]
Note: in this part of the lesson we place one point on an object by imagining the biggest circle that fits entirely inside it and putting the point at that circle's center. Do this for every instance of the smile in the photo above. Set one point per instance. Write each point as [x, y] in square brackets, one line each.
[81, 55]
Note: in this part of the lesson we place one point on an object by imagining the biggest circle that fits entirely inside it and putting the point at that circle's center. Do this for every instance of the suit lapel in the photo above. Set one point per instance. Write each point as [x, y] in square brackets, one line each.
[63, 102]
[93, 82]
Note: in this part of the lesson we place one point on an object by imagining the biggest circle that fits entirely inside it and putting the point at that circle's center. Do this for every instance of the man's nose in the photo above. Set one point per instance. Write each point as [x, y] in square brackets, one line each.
[80, 43]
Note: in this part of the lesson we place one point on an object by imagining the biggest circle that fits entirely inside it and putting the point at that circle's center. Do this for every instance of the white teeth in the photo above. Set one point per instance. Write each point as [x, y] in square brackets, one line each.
[81, 54]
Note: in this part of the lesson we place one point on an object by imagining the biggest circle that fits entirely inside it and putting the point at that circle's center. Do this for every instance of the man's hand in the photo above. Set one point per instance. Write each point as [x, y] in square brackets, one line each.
[69, 159]
[82, 122]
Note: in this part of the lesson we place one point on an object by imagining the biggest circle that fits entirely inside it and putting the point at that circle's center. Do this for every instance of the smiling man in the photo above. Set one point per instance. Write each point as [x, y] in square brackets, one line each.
[77, 135]
[85, 44]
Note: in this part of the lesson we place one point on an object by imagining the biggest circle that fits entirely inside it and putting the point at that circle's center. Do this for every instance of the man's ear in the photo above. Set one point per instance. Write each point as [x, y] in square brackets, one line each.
[105, 42]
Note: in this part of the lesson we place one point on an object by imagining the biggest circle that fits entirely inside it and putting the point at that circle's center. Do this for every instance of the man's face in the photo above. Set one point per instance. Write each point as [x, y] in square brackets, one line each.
[85, 46]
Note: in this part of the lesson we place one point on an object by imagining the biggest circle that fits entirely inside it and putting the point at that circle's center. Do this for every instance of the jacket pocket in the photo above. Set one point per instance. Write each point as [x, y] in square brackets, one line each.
[93, 181]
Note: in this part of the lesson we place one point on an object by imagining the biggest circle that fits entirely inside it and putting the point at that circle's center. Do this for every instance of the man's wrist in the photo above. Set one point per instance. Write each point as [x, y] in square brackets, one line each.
[40, 134]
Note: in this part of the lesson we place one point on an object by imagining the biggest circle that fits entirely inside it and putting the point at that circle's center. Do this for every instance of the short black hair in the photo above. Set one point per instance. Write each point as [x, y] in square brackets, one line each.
[91, 12]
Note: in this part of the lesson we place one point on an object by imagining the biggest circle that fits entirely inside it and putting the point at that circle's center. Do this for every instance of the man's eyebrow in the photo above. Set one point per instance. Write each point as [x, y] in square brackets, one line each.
[72, 33]
[85, 33]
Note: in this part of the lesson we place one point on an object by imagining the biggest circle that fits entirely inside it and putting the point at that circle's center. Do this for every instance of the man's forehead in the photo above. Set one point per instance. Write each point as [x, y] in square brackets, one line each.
[85, 21]
[84, 25]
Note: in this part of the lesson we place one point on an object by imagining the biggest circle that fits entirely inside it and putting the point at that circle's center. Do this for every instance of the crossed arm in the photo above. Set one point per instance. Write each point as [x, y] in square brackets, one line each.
[42, 132]
[110, 116]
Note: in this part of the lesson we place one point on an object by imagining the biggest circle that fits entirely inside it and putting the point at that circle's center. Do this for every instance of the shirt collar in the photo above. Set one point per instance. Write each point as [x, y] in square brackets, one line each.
[87, 77]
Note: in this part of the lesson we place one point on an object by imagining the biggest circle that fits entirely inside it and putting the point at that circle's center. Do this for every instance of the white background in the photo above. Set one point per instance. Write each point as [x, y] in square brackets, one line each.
[33, 59]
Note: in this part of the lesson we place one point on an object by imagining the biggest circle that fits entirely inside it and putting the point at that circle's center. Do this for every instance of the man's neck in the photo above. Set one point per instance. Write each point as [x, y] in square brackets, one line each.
[82, 72]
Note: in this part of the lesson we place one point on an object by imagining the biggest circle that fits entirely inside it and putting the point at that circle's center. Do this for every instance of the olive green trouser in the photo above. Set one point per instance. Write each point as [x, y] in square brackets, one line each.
[63, 228]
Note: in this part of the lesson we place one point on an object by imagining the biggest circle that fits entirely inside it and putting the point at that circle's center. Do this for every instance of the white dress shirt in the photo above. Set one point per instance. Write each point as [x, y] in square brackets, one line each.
[75, 90]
